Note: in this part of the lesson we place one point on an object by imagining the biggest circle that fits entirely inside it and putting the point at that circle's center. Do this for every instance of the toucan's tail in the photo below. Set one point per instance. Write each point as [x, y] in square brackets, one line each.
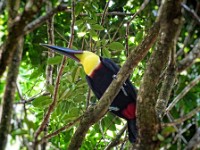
[132, 130]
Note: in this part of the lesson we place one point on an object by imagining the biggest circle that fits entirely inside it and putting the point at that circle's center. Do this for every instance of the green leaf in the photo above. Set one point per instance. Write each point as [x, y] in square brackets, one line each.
[19, 132]
[54, 60]
[160, 137]
[78, 8]
[94, 35]
[97, 27]
[116, 46]
[50, 88]
[79, 22]
[106, 53]
[42, 101]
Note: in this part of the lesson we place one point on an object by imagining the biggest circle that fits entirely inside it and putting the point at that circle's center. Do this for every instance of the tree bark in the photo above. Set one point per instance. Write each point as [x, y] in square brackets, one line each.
[9, 94]
[148, 123]
[16, 27]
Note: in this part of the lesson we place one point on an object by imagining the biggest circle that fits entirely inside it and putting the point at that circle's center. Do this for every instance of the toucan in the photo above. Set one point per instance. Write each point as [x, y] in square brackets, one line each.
[99, 74]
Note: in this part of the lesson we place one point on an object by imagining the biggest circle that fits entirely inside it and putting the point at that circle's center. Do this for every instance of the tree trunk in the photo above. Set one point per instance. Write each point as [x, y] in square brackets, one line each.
[9, 94]
[148, 123]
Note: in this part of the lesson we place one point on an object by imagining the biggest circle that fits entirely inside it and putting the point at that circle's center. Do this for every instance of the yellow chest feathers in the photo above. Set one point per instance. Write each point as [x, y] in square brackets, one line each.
[89, 60]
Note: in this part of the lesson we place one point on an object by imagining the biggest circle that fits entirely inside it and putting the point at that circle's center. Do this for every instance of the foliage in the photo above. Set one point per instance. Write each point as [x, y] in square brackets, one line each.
[108, 39]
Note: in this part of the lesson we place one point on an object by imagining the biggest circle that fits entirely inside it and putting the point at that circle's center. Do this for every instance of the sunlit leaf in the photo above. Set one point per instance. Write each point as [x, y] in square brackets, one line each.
[54, 60]
[42, 101]
[97, 27]
[116, 46]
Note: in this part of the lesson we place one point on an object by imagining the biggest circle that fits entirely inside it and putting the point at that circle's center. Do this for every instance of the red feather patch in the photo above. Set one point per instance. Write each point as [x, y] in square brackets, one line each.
[129, 111]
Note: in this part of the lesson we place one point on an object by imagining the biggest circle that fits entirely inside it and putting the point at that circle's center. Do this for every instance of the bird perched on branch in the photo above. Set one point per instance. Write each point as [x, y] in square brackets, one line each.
[99, 74]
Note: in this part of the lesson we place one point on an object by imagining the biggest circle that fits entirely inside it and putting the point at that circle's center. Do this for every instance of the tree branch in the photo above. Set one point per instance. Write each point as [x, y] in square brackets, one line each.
[40, 20]
[49, 136]
[184, 118]
[93, 114]
[194, 142]
[55, 95]
[116, 140]
[184, 91]
[190, 58]
[171, 119]
[192, 12]
[142, 7]
[15, 32]
[167, 85]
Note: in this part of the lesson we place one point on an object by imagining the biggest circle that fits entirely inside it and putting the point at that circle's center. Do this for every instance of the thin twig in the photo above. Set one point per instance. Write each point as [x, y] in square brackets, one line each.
[22, 101]
[184, 91]
[67, 126]
[191, 27]
[192, 12]
[104, 13]
[190, 58]
[40, 20]
[53, 104]
[88, 98]
[194, 142]
[116, 140]
[171, 119]
[144, 4]
[184, 118]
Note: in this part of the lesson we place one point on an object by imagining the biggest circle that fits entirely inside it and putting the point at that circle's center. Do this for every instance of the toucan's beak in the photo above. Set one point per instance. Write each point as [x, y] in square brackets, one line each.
[65, 51]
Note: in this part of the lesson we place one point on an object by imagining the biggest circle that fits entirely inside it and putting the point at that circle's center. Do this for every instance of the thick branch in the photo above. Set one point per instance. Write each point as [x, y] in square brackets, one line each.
[165, 91]
[169, 18]
[190, 58]
[167, 85]
[93, 114]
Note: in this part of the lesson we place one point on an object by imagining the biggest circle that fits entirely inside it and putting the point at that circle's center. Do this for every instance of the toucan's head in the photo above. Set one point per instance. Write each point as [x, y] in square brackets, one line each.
[89, 60]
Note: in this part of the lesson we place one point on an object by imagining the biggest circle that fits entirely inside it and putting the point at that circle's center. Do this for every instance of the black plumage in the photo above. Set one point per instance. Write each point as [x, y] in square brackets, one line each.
[99, 81]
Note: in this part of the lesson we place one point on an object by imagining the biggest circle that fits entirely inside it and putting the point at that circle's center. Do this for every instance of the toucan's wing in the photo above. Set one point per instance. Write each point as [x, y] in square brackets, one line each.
[130, 89]
[91, 85]
[110, 65]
